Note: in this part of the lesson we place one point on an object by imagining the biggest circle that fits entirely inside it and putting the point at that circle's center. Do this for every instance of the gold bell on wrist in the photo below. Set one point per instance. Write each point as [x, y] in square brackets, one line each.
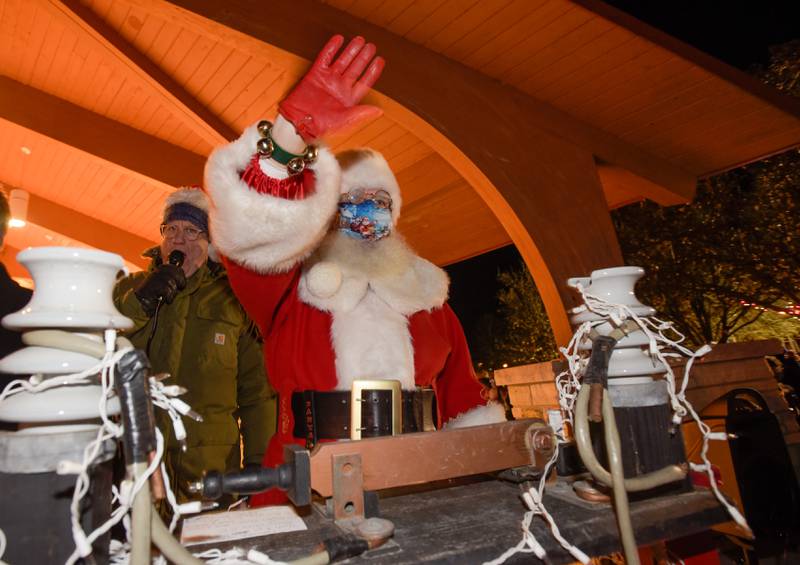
[266, 147]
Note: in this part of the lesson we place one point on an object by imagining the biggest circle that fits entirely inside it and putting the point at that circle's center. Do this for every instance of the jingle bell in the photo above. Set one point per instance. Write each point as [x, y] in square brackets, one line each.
[264, 128]
[310, 154]
[295, 165]
[265, 147]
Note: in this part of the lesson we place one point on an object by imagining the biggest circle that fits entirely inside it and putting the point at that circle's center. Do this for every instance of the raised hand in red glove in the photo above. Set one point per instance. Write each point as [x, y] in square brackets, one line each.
[326, 98]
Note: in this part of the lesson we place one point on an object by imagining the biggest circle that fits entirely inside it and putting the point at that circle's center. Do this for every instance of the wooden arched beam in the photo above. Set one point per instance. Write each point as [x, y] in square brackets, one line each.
[130, 150]
[532, 217]
[533, 165]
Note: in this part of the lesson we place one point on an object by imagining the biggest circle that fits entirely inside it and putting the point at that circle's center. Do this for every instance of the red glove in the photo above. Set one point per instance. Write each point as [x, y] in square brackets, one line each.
[326, 98]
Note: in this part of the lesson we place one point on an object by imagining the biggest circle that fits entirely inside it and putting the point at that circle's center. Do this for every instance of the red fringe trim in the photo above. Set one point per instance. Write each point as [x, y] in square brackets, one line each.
[295, 187]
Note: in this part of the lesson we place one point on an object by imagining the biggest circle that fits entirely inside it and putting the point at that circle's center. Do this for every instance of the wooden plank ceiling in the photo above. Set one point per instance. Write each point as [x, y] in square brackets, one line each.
[105, 105]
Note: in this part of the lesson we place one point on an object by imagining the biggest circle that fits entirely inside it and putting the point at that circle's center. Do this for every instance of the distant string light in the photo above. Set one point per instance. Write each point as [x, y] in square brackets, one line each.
[792, 310]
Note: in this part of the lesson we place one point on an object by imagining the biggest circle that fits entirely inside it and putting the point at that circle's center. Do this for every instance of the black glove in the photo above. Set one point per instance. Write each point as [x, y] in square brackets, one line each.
[164, 283]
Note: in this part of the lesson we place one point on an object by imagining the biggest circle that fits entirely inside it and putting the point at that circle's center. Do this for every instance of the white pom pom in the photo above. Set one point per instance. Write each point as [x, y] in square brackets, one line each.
[324, 279]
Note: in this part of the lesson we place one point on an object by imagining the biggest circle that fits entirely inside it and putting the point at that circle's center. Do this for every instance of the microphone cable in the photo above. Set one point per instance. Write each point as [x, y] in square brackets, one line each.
[176, 257]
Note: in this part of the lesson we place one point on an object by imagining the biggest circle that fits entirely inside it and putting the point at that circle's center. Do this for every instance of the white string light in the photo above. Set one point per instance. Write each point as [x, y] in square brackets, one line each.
[534, 500]
[664, 344]
[568, 384]
[162, 396]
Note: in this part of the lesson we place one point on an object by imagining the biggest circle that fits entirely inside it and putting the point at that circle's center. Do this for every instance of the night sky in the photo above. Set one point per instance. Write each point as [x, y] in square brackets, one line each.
[737, 32]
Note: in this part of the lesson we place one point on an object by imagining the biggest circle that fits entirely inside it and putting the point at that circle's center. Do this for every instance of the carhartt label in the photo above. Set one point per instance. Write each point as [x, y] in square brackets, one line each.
[219, 339]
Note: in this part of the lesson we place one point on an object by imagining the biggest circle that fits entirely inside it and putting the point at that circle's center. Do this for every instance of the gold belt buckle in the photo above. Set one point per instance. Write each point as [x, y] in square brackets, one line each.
[355, 404]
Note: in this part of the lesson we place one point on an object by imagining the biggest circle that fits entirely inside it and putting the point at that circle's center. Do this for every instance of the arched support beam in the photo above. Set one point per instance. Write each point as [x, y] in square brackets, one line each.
[622, 187]
[549, 226]
[533, 165]
[131, 151]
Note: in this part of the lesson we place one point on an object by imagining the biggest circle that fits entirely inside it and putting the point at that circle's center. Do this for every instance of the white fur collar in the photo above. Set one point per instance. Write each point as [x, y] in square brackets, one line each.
[339, 273]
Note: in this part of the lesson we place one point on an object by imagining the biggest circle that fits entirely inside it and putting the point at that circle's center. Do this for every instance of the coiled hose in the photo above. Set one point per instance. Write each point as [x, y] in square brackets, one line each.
[597, 377]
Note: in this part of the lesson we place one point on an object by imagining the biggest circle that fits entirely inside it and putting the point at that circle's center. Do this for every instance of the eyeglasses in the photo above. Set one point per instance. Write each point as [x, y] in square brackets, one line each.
[356, 196]
[170, 231]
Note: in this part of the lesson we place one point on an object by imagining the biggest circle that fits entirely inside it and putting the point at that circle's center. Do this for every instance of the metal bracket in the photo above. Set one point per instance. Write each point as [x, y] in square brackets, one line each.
[348, 487]
[540, 441]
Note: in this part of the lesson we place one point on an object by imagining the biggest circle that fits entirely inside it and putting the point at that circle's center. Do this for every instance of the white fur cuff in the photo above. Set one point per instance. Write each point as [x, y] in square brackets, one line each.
[263, 232]
[492, 413]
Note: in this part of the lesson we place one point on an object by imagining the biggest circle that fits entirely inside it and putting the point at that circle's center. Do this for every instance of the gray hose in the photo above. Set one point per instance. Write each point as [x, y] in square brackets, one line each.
[583, 440]
[618, 479]
[169, 546]
[142, 509]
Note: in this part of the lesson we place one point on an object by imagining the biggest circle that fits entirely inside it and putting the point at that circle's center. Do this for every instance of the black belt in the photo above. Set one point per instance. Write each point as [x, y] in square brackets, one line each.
[327, 415]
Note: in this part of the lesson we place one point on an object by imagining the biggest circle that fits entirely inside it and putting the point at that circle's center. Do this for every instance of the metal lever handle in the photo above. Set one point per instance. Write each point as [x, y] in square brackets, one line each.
[294, 477]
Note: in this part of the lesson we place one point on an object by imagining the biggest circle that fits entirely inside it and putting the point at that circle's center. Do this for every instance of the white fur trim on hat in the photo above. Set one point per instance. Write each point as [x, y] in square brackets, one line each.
[188, 195]
[367, 169]
[263, 232]
[194, 196]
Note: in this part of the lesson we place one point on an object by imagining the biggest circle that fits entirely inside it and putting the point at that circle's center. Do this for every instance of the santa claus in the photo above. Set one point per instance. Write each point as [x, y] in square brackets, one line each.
[348, 312]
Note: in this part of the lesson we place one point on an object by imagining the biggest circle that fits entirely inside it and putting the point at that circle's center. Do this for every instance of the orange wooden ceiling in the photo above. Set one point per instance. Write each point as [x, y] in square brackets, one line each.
[619, 80]
[118, 100]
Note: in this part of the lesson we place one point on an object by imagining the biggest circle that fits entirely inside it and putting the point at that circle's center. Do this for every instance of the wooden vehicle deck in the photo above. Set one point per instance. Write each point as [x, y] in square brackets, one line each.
[476, 522]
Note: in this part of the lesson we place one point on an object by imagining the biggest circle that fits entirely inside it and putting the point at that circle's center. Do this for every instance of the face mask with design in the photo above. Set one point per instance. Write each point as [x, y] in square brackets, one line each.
[365, 214]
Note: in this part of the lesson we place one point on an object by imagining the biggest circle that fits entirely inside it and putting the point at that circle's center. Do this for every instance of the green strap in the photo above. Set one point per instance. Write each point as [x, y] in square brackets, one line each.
[280, 154]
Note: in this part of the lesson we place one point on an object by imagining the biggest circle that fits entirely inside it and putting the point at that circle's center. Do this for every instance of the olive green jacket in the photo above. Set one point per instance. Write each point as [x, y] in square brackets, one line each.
[209, 346]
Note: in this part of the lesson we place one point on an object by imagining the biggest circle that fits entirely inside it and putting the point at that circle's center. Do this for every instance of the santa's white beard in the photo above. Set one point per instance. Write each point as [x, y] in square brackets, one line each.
[372, 341]
[370, 288]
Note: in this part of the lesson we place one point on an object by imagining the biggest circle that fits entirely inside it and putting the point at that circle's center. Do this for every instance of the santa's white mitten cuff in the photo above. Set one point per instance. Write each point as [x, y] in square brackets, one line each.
[492, 413]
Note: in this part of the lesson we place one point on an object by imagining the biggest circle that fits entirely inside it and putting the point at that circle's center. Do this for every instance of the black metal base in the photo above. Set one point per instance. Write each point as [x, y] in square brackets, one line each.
[648, 444]
[35, 515]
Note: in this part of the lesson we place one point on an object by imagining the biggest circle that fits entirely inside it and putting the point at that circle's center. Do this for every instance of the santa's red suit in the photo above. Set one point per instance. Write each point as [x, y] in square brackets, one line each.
[331, 308]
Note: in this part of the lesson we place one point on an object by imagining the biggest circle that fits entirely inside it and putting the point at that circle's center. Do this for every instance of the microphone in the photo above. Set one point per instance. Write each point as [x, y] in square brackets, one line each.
[176, 257]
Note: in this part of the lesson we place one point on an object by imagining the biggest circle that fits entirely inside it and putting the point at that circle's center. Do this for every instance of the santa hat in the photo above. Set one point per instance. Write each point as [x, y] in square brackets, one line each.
[367, 169]
[191, 205]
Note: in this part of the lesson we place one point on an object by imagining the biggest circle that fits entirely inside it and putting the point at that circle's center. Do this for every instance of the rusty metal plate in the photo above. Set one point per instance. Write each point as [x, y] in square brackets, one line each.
[348, 491]
[411, 459]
